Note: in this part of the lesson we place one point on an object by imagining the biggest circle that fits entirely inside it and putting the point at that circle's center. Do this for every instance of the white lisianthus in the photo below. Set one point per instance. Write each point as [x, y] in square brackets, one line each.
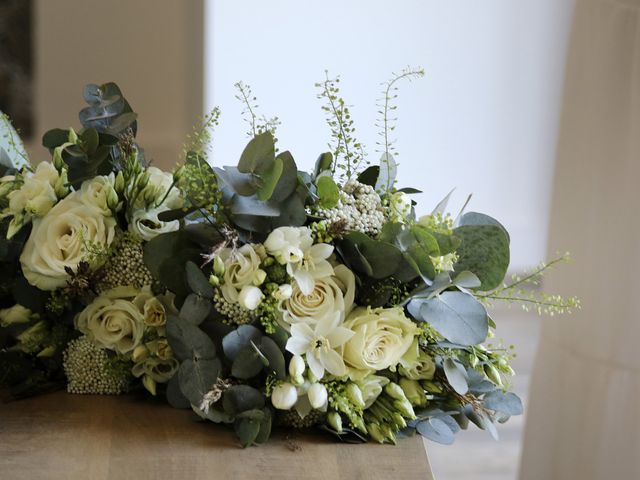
[154, 309]
[242, 267]
[145, 224]
[399, 207]
[329, 295]
[100, 193]
[320, 343]
[371, 387]
[113, 321]
[382, 336]
[160, 182]
[306, 262]
[59, 241]
[250, 297]
[284, 396]
[416, 364]
[37, 195]
[15, 315]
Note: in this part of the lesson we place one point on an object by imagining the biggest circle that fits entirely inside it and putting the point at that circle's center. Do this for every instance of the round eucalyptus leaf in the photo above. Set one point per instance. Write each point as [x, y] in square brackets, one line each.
[187, 341]
[198, 281]
[240, 398]
[234, 342]
[436, 430]
[456, 375]
[195, 309]
[196, 377]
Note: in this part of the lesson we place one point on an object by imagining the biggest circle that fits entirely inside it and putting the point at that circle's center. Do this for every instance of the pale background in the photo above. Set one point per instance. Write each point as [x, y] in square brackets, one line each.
[483, 120]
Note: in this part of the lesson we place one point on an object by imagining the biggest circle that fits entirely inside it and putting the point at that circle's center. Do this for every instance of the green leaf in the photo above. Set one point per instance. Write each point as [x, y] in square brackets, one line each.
[54, 138]
[466, 279]
[324, 162]
[370, 176]
[195, 309]
[247, 430]
[240, 398]
[247, 364]
[187, 341]
[458, 316]
[328, 192]
[456, 375]
[259, 154]
[288, 181]
[275, 357]
[437, 430]
[484, 251]
[197, 377]
[475, 218]
[90, 140]
[265, 427]
[240, 339]
[383, 258]
[175, 397]
[198, 281]
[269, 180]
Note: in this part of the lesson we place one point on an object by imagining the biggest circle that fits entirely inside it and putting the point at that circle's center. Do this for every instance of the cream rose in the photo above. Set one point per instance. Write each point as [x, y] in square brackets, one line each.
[242, 269]
[329, 295]
[59, 240]
[113, 321]
[100, 193]
[382, 336]
[15, 315]
[153, 309]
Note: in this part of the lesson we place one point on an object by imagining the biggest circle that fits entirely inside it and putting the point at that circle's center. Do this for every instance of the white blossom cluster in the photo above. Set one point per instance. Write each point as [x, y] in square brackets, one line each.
[234, 313]
[359, 209]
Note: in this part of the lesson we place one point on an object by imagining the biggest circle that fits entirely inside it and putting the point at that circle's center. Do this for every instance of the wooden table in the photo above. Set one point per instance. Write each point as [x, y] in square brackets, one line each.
[60, 436]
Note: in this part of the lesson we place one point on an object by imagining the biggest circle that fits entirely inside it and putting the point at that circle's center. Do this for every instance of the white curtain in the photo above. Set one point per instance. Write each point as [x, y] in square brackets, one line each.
[584, 414]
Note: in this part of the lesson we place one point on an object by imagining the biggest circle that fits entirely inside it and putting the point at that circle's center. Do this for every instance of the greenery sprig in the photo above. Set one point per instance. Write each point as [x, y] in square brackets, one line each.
[257, 124]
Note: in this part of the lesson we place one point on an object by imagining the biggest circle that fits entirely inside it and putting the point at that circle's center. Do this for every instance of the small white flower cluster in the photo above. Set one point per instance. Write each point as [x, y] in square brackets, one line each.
[234, 313]
[359, 209]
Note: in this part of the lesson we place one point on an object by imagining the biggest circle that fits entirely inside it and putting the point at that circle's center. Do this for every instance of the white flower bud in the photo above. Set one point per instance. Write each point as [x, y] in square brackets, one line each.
[284, 396]
[218, 266]
[283, 292]
[250, 297]
[259, 277]
[139, 354]
[335, 421]
[318, 396]
[355, 395]
[296, 369]
[150, 384]
[14, 315]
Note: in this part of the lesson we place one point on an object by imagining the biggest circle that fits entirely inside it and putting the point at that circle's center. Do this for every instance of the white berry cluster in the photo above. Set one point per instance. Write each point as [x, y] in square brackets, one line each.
[87, 369]
[359, 209]
[234, 314]
[126, 266]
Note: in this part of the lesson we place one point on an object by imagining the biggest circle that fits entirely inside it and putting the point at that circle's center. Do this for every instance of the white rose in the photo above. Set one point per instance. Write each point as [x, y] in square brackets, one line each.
[59, 241]
[288, 244]
[382, 336]
[153, 309]
[100, 193]
[146, 225]
[113, 321]
[416, 364]
[14, 315]
[242, 268]
[329, 295]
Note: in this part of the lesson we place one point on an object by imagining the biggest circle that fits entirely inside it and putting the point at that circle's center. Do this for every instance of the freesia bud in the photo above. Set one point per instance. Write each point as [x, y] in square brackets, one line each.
[335, 421]
[318, 396]
[284, 396]
[250, 297]
[47, 352]
[259, 277]
[414, 392]
[139, 354]
[214, 281]
[394, 391]
[218, 266]
[493, 374]
[150, 384]
[119, 182]
[14, 315]
[373, 429]
[283, 292]
[112, 200]
[296, 369]
[355, 395]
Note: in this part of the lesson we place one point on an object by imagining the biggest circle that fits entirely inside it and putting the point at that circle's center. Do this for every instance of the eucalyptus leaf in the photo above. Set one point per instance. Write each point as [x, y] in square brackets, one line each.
[441, 207]
[503, 402]
[196, 377]
[240, 398]
[247, 430]
[239, 339]
[370, 175]
[269, 180]
[274, 355]
[175, 397]
[259, 154]
[195, 309]
[388, 172]
[456, 375]
[324, 162]
[198, 281]
[437, 430]
[247, 364]
[187, 341]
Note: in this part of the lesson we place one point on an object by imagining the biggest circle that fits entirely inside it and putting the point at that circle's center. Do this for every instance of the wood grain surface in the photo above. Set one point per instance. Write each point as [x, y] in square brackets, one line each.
[61, 436]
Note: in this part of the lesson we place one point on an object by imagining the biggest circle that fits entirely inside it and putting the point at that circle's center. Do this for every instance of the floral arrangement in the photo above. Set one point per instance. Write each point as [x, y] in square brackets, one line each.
[255, 295]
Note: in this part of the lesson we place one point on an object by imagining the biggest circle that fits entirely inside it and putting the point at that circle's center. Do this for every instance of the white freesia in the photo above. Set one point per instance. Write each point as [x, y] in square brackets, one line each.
[242, 268]
[320, 345]
[329, 295]
[250, 297]
[318, 396]
[59, 241]
[306, 262]
[284, 396]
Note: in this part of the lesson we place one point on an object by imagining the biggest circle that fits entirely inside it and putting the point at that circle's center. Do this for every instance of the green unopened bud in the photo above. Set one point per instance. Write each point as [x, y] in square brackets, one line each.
[398, 420]
[414, 392]
[355, 395]
[57, 161]
[150, 384]
[214, 281]
[431, 387]
[259, 277]
[395, 391]
[374, 431]
[140, 353]
[178, 173]
[473, 360]
[492, 373]
[218, 266]
[14, 315]
[60, 187]
[143, 180]
[508, 370]
[112, 200]
[119, 182]
[388, 433]
[405, 408]
[358, 423]
[47, 352]
[335, 421]
[15, 225]
[150, 194]
[73, 136]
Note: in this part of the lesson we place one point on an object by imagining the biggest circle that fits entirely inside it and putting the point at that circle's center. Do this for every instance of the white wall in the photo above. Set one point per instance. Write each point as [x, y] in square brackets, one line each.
[483, 119]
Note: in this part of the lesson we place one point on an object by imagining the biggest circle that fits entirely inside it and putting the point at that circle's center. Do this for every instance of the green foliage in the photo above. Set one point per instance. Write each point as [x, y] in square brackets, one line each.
[348, 153]
[328, 192]
[258, 125]
[108, 111]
